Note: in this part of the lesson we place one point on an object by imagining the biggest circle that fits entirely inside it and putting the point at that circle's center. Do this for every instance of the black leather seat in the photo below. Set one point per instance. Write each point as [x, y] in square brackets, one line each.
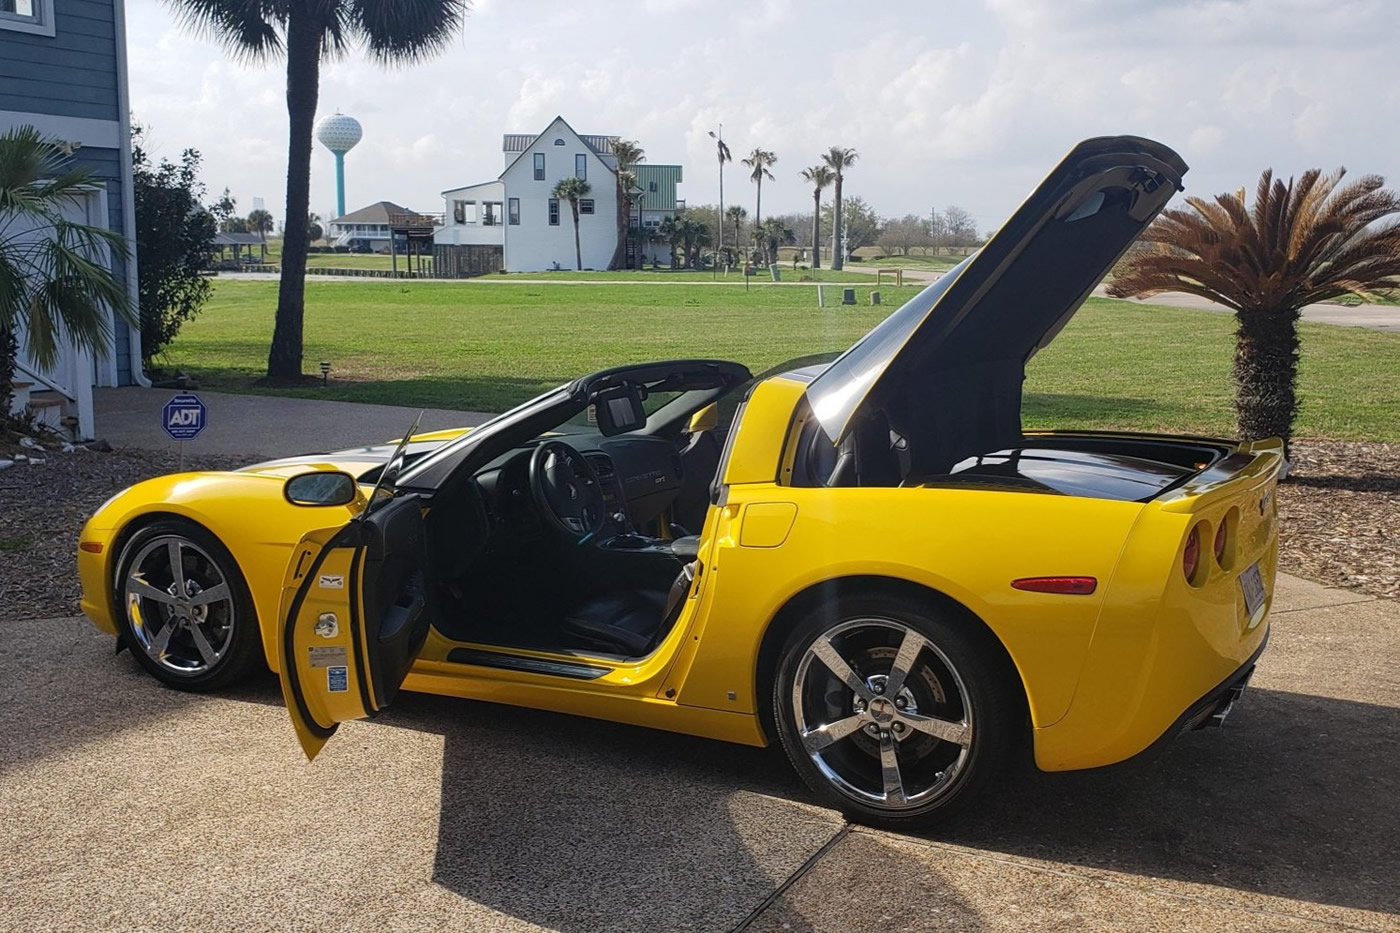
[630, 623]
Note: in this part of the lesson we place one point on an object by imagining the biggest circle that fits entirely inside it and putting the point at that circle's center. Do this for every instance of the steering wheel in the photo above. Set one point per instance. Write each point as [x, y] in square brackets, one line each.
[566, 490]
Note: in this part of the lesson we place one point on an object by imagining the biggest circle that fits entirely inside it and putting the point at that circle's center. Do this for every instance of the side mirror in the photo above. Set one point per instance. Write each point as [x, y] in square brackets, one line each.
[706, 419]
[327, 487]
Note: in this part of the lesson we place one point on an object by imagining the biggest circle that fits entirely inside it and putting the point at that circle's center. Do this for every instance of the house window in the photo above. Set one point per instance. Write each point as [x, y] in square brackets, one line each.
[539, 166]
[651, 186]
[585, 205]
[514, 210]
[459, 212]
[559, 142]
[491, 213]
[468, 212]
[580, 165]
[554, 212]
[33, 16]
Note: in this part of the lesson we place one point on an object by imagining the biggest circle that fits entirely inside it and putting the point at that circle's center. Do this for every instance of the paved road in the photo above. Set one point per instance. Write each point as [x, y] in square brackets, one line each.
[1372, 317]
[261, 426]
[125, 806]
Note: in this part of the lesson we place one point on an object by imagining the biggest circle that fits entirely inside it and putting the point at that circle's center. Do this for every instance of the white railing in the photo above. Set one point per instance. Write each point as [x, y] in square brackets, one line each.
[31, 373]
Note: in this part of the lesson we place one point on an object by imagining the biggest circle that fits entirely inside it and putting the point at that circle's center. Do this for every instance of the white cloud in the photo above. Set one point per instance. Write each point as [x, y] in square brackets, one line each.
[947, 102]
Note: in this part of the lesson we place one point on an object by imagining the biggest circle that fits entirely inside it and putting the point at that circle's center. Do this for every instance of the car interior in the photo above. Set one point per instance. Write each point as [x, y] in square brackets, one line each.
[584, 539]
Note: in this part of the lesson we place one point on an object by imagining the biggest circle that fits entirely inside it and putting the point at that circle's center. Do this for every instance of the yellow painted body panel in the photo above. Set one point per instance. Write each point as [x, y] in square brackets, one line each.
[1104, 675]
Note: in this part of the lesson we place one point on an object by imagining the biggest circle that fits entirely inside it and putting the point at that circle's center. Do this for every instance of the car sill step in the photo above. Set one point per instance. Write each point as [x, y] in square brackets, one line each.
[515, 662]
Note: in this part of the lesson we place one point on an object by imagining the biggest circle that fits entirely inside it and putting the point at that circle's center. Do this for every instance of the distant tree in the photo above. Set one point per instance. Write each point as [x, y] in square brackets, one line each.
[860, 224]
[305, 33]
[758, 162]
[959, 227]
[735, 215]
[694, 236]
[722, 155]
[775, 233]
[225, 211]
[838, 159]
[819, 176]
[174, 239]
[314, 231]
[55, 281]
[260, 222]
[628, 153]
[573, 189]
[1302, 242]
[904, 234]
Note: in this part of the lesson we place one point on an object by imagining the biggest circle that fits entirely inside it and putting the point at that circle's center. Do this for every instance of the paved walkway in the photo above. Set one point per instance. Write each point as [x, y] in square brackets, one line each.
[125, 806]
[1371, 317]
[262, 426]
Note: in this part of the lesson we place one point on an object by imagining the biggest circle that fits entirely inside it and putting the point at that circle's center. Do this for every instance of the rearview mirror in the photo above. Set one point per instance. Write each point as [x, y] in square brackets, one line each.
[327, 487]
[620, 410]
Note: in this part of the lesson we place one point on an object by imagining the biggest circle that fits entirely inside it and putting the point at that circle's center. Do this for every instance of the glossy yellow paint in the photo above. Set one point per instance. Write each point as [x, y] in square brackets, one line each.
[1104, 675]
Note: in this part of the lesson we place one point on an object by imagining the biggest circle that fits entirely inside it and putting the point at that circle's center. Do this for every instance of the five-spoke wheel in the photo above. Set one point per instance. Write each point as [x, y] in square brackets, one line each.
[889, 711]
[186, 613]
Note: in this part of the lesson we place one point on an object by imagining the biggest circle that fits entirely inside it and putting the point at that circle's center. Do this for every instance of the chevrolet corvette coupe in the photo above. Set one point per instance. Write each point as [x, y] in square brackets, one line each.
[866, 559]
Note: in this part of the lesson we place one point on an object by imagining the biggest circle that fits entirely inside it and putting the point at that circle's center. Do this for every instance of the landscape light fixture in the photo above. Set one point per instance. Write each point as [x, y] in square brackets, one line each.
[325, 371]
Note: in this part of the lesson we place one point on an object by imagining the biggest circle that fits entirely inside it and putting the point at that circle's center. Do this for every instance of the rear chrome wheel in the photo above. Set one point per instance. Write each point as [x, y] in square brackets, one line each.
[186, 613]
[890, 713]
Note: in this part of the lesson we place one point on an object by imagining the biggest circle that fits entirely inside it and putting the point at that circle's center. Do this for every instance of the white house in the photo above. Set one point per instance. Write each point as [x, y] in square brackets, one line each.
[517, 211]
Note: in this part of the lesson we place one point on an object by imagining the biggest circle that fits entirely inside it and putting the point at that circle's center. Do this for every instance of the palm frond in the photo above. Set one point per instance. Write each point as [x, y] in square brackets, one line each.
[249, 30]
[405, 32]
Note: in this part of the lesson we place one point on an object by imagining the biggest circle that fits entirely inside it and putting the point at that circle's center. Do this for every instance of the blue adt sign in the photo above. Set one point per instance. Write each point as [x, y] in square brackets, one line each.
[184, 416]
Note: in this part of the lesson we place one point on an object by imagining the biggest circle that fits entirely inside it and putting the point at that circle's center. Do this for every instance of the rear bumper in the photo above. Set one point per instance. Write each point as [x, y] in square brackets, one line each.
[1211, 710]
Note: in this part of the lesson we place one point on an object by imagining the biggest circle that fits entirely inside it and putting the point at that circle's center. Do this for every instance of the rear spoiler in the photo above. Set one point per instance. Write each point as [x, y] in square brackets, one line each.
[1253, 465]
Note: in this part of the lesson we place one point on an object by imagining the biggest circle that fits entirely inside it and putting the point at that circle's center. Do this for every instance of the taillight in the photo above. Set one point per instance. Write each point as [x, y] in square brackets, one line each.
[1191, 557]
[1221, 534]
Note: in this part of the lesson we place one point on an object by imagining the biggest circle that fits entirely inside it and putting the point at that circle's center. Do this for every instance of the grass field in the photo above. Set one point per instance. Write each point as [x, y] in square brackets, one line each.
[485, 347]
[663, 276]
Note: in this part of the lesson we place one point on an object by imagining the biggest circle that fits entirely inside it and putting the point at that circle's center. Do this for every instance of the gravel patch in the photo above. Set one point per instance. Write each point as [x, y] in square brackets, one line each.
[1340, 518]
[43, 507]
[1340, 515]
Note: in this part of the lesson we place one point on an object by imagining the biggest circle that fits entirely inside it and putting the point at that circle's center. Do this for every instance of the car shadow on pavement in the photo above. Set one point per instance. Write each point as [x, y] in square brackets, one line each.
[558, 820]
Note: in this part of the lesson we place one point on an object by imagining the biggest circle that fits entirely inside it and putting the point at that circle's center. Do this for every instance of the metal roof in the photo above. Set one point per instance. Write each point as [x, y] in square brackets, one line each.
[519, 142]
[376, 213]
[238, 239]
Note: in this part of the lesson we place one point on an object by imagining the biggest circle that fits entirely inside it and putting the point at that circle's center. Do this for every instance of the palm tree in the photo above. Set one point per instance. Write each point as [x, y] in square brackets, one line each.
[736, 214]
[818, 176]
[628, 153]
[571, 189]
[260, 222]
[1302, 242]
[838, 159]
[314, 231]
[776, 233]
[695, 235]
[670, 232]
[722, 154]
[758, 161]
[305, 33]
[55, 283]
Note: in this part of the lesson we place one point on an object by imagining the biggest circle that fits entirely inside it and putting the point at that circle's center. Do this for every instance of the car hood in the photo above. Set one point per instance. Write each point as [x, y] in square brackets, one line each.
[362, 463]
[990, 314]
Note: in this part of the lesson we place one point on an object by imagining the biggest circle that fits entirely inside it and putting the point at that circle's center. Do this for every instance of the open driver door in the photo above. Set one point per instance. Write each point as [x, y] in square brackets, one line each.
[353, 618]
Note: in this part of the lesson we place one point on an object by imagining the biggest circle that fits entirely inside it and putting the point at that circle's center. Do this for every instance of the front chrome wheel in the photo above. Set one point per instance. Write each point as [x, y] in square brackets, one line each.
[882, 713]
[180, 606]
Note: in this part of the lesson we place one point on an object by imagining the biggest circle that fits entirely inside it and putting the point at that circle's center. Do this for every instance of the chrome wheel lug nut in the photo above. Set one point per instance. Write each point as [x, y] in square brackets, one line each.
[899, 727]
[900, 702]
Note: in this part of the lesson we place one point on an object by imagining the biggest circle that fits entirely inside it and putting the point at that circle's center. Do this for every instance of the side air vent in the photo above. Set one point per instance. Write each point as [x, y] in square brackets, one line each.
[607, 478]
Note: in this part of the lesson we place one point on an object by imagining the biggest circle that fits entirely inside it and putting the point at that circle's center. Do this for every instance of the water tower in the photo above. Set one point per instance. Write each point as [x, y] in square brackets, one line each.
[339, 134]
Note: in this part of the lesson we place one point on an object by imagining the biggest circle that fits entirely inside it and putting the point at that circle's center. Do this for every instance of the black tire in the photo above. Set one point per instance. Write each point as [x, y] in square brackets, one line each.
[954, 686]
[229, 626]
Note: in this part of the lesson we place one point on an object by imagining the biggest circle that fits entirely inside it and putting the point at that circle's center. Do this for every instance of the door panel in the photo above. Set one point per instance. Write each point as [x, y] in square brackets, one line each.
[354, 617]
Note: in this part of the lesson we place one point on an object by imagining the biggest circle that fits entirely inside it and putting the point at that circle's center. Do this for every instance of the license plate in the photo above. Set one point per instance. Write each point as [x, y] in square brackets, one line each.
[1252, 583]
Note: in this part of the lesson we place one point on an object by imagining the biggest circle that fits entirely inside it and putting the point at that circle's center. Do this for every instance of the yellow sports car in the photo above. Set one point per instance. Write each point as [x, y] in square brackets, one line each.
[868, 560]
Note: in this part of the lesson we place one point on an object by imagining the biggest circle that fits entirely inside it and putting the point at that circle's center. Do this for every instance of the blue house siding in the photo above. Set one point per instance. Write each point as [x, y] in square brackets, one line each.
[72, 73]
[106, 165]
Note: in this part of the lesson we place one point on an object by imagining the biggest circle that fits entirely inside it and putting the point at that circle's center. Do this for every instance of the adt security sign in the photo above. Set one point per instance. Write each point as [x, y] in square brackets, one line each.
[184, 416]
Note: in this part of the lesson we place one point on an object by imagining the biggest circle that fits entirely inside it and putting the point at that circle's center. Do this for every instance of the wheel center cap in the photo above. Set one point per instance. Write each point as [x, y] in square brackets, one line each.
[881, 710]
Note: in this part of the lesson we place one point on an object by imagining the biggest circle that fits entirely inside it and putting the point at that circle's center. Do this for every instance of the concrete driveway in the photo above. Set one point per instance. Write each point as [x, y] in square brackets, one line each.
[125, 806]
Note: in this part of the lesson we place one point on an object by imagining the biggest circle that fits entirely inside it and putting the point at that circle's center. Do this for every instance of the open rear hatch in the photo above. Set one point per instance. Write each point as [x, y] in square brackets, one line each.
[944, 372]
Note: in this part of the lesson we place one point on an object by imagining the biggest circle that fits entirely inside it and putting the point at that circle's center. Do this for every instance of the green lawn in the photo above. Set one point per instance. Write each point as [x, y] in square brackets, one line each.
[662, 276]
[484, 347]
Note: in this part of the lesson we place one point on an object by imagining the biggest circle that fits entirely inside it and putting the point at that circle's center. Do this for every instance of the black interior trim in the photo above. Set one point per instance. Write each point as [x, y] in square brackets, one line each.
[514, 662]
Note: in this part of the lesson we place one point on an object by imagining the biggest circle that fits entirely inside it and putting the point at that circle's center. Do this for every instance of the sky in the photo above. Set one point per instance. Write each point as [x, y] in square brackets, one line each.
[968, 102]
